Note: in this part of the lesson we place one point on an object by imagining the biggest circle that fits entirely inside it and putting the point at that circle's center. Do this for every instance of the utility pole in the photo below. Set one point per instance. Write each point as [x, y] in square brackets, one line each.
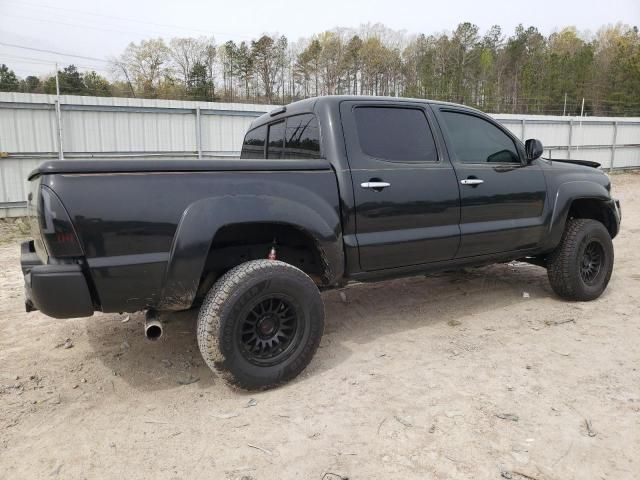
[59, 117]
[581, 130]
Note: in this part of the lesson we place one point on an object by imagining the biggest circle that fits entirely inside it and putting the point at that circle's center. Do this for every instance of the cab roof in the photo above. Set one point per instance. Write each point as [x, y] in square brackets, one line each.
[309, 105]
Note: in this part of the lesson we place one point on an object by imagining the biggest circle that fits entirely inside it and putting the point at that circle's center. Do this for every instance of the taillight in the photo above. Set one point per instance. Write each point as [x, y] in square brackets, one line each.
[57, 231]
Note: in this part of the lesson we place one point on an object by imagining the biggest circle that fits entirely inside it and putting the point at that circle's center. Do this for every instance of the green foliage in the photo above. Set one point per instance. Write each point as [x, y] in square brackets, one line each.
[199, 85]
[8, 80]
[96, 84]
[31, 84]
[70, 82]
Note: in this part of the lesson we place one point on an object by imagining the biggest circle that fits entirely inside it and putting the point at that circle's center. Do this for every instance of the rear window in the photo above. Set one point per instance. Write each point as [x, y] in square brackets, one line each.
[395, 134]
[253, 145]
[302, 139]
[297, 136]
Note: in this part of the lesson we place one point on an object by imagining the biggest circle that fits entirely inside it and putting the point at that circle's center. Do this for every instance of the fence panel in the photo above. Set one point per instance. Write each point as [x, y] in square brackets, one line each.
[125, 128]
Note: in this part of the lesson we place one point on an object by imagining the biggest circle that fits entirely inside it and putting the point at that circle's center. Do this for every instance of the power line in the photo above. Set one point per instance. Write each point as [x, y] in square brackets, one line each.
[113, 17]
[27, 59]
[43, 50]
[35, 61]
[76, 25]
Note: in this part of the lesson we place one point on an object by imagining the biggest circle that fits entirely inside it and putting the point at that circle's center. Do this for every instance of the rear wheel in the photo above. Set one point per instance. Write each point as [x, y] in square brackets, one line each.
[580, 267]
[261, 324]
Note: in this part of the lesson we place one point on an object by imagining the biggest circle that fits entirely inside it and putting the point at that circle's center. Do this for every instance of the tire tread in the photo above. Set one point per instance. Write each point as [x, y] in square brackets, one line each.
[561, 261]
[209, 317]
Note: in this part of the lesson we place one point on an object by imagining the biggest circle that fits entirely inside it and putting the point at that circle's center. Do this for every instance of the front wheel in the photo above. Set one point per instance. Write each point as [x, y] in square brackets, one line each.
[261, 324]
[580, 267]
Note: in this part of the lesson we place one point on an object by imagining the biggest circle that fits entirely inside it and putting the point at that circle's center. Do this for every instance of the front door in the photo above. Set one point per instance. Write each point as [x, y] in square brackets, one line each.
[406, 192]
[502, 196]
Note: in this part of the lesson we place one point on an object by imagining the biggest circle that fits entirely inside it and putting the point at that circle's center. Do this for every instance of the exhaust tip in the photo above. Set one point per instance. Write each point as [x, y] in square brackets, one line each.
[153, 331]
[152, 326]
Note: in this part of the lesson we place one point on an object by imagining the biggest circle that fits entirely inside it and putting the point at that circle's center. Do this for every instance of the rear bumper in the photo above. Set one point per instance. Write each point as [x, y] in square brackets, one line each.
[59, 291]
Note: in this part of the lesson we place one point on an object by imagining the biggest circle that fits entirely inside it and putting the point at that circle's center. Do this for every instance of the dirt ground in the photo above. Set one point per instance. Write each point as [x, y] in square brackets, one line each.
[453, 376]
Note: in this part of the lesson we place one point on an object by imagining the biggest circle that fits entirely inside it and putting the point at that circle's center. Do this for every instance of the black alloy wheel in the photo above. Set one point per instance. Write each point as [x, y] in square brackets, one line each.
[592, 260]
[269, 331]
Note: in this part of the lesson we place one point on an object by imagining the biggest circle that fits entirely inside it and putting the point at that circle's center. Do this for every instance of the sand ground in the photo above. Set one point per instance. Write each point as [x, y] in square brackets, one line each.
[451, 376]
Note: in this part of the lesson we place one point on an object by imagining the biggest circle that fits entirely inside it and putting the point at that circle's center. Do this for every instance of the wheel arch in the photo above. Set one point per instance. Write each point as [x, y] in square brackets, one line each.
[221, 222]
[595, 209]
[581, 199]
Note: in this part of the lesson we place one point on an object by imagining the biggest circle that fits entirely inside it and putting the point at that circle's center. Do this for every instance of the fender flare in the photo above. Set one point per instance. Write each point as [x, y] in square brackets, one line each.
[566, 194]
[201, 221]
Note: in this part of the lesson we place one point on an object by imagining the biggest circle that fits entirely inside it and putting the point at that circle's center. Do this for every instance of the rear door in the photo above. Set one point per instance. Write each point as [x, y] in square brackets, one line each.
[502, 197]
[406, 192]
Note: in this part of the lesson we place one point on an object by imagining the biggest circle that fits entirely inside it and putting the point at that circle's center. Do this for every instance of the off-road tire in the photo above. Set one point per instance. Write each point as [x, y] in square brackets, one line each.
[221, 317]
[564, 263]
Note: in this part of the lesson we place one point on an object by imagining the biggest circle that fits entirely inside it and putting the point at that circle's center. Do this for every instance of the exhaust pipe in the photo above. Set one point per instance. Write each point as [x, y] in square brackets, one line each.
[152, 326]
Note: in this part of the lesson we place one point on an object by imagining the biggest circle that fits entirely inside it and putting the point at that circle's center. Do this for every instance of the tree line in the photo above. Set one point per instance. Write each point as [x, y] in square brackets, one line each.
[525, 72]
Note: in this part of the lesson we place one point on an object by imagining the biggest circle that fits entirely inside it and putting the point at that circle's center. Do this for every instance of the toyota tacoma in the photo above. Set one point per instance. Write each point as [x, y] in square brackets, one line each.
[327, 191]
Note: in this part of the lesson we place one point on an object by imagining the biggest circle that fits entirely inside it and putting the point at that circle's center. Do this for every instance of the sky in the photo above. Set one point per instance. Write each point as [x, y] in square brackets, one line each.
[99, 30]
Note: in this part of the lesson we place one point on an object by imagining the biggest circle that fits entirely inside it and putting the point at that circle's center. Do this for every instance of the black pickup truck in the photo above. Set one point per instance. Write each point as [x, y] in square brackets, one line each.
[327, 191]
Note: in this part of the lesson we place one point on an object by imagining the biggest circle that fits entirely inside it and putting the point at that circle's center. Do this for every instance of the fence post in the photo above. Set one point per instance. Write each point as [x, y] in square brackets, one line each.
[59, 129]
[523, 130]
[613, 144]
[570, 138]
[198, 133]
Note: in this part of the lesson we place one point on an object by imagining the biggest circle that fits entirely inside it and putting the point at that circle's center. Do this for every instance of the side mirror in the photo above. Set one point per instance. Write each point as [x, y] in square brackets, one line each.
[533, 148]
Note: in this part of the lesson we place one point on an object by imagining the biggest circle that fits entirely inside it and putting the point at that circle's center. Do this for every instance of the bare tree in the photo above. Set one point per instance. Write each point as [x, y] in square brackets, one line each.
[266, 52]
[146, 64]
[187, 52]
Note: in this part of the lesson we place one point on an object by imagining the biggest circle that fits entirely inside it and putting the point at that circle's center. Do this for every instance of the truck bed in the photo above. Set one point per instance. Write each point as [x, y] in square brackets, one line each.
[146, 227]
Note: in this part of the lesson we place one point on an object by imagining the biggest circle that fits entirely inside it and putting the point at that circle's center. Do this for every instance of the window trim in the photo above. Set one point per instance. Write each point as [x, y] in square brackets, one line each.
[283, 121]
[408, 106]
[452, 154]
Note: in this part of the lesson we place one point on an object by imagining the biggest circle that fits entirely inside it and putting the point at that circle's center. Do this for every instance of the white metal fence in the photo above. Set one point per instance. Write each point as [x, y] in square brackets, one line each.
[613, 142]
[126, 128]
[110, 128]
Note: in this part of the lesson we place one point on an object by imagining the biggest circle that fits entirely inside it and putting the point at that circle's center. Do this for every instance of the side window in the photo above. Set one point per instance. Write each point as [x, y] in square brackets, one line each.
[302, 139]
[477, 141]
[276, 140]
[253, 145]
[396, 134]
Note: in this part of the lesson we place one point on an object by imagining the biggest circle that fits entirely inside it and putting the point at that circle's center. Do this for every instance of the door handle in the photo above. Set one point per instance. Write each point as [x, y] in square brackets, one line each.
[375, 185]
[471, 181]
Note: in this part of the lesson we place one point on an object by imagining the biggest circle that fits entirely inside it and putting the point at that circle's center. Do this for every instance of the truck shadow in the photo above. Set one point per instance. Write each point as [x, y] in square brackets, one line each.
[365, 313]
[171, 362]
[357, 315]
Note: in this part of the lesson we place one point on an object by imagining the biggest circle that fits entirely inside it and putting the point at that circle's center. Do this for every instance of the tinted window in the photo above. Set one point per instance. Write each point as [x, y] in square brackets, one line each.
[276, 140]
[397, 134]
[253, 145]
[477, 141]
[302, 139]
